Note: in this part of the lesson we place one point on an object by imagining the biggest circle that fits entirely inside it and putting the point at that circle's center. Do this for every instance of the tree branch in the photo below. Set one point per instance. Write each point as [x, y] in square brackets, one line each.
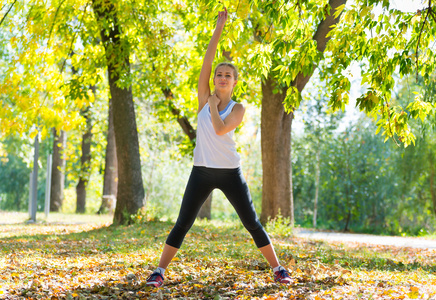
[54, 21]
[4, 17]
[182, 120]
[390, 125]
[65, 60]
[51, 31]
[75, 35]
[432, 14]
[419, 39]
[231, 23]
[261, 38]
[321, 39]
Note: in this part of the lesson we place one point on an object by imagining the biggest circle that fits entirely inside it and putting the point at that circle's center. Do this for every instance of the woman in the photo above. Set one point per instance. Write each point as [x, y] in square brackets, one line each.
[216, 163]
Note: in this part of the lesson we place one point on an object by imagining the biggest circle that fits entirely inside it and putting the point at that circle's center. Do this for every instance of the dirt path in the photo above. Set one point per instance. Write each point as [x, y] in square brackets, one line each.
[367, 239]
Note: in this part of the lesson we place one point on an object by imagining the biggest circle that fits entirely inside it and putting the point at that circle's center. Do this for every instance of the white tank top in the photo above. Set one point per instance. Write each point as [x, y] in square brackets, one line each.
[212, 150]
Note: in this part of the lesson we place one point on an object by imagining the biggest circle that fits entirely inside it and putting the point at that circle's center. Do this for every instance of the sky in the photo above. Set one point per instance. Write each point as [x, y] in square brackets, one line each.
[408, 5]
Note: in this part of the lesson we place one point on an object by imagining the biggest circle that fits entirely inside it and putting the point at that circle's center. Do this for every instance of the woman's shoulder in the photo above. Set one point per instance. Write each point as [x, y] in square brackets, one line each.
[238, 105]
[238, 108]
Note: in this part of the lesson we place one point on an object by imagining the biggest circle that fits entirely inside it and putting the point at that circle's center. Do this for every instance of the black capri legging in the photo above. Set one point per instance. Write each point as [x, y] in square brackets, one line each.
[232, 183]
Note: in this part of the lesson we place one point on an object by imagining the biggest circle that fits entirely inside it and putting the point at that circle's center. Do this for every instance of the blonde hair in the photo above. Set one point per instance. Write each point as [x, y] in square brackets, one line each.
[227, 64]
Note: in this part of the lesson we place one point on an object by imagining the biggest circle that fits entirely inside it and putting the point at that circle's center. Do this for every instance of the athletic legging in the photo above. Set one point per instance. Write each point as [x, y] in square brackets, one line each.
[232, 183]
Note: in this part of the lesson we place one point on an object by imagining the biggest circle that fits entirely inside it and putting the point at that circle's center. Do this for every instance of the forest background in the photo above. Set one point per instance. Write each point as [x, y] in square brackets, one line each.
[60, 67]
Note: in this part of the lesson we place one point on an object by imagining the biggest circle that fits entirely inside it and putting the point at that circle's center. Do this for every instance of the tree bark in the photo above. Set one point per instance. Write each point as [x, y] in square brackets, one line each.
[17, 200]
[130, 195]
[85, 161]
[206, 209]
[276, 133]
[432, 179]
[348, 186]
[276, 149]
[58, 167]
[110, 182]
[317, 173]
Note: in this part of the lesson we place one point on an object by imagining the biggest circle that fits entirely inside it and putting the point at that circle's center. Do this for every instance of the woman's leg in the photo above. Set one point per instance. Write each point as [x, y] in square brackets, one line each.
[167, 256]
[270, 255]
[236, 190]
[197, 190]
[234, 186]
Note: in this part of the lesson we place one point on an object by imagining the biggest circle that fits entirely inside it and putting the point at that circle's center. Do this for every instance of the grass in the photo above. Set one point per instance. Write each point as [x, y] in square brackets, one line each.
[218, 260]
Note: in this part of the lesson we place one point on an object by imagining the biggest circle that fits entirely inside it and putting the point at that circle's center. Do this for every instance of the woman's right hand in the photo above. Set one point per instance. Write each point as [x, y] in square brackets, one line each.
[213, 100]
[222, 18]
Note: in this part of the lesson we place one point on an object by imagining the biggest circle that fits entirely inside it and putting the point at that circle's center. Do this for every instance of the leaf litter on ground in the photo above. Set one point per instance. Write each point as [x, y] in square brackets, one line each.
[217, 261]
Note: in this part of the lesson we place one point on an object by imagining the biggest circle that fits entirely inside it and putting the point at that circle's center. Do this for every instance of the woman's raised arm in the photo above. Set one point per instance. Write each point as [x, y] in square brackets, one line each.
[206, 69]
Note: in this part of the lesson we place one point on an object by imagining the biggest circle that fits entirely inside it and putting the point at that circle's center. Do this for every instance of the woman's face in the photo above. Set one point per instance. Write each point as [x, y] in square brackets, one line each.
[224, 79]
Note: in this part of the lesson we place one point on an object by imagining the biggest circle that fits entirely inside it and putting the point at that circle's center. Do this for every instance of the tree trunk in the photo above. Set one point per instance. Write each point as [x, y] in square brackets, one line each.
[17, 200]
[317, 171]
[110, 182]
[206, 210]
[85, 161]
[431, 179]
[57, 171]
[347, 220]
[276, 149]
[130, 195]
[348, 186]
[276, 133]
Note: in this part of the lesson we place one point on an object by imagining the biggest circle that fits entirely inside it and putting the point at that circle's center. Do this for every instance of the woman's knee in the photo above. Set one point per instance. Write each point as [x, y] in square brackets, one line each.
[253, 225]
[183, 226]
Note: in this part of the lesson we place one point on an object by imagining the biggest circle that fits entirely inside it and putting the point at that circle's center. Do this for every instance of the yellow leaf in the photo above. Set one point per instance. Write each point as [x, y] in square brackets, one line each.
[345, 271]
[33, 134]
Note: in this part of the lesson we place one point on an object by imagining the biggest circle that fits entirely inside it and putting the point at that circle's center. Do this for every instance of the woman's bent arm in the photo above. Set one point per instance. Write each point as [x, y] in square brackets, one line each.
[228, 124]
